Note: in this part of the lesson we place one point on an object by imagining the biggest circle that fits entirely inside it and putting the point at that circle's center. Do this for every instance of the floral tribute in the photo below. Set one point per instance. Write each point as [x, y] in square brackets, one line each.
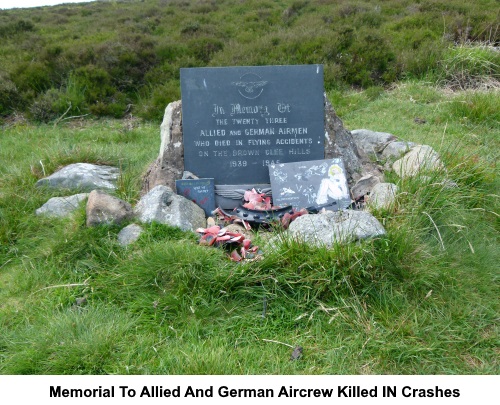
[240, 247]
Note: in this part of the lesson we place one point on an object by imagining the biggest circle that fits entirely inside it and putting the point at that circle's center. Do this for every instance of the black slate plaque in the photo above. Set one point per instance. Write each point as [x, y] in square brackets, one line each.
[318, 183]
[239, 120]
[200, 191]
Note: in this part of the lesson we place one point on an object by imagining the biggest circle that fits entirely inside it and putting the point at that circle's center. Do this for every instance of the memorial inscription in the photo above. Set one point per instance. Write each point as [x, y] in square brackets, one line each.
[239, 120]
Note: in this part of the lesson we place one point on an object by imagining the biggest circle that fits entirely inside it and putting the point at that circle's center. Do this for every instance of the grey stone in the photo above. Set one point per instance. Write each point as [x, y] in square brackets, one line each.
[187, 175]
[171, 128]
[82, 176]
[331, 227]
[420, 158]
[371, 142]
[383, 196]
[163, 205]
[340, 143]
[364, 186]
[129, 234]
[394, 150]
[169, 166]
[103, 208]
[61, 206]
[81, 301]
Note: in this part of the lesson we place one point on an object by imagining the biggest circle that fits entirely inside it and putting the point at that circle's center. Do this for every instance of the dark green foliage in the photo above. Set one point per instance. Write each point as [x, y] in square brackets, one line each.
[95, 82]
[32, 77]
[9, 96]
[11, 29]
[126, 60]
[204, 48]
[368, 61]
[47, 106]
[134, 52]
[157, 98]
[115, 106]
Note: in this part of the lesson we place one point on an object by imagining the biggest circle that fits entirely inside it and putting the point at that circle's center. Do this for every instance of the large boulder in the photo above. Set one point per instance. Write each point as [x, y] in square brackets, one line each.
[61, 207]
[82, 176]
[162, 205]
[103, 208]
[331, 227]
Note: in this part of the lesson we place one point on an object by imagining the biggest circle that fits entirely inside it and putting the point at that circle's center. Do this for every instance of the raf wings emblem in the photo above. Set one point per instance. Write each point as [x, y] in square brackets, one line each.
[250, 85]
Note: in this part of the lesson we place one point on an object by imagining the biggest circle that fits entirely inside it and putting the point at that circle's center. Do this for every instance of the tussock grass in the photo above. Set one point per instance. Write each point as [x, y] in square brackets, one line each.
[471, 66]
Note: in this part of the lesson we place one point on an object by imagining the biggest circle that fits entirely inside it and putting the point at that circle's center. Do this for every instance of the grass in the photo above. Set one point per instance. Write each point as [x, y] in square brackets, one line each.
[471, 66]
[422, 300]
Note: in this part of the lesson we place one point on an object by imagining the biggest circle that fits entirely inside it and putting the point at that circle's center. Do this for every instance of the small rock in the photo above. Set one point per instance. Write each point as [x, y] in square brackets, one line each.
[80, 301]
[383, 196]
[188, 175]
[105, 209]
[129, 234]
[162, 205]
[61, 206]
[329, 227]
[82, 176]
[364, 186]
[297, 353]
[421, 157]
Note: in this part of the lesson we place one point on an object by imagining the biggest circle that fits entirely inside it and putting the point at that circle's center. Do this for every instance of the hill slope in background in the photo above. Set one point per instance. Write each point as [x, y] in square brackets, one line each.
[110, 58]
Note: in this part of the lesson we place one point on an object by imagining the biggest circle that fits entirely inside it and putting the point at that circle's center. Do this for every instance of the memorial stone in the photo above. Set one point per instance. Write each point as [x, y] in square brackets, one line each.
[239, 120]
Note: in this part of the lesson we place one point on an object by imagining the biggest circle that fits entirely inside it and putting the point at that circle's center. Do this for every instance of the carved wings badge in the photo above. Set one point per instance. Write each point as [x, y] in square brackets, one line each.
[250, 85]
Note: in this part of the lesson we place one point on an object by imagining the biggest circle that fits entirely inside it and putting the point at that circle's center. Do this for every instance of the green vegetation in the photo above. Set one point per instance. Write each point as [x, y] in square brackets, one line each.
[422, 300]
[120, 57]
